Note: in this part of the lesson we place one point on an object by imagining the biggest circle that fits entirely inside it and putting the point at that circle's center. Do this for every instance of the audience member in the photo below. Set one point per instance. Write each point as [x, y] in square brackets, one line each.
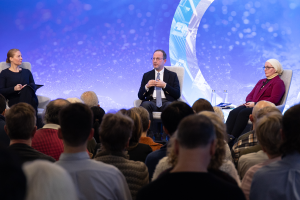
[145, 117]
[48, 181]
[219, 112]
[170, 118]
[251, 159]
[20, 127]
[93, 180]
[189, 179]
[13, 180]
[279, 180]
[268, 135]
[136, 151]
[202, 105]
[115, 134]
[4, 139]
[90, 99]
[247, 143]
[98, 114]
[46, 139]
[218, 165]
[74, 100]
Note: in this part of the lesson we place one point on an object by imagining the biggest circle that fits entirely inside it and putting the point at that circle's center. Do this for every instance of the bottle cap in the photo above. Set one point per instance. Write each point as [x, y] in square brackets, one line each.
[225, 90]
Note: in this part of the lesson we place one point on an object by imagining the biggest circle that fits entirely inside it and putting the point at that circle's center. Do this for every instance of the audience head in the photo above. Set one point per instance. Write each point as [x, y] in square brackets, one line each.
[144, 114]
[173, 114]
[20, 122]
[115, 131]
[195, 131]
[137, 126]
[13, 180]
[90, 98]
[257, 107]
[48, 181]
[76, 122]
[219, 112]
[291, 130]
[277, 65]
[202, 105]
[74, 100]
[10, 54]
[2, 104]
[268, 129]
[220, 128]
[98, 114]
[52, 110]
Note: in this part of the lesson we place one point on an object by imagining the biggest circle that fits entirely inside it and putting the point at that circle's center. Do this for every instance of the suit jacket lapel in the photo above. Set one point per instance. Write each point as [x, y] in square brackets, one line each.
[166, 75]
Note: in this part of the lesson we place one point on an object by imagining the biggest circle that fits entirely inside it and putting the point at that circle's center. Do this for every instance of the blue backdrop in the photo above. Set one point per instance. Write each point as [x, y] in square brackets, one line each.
[106, 46]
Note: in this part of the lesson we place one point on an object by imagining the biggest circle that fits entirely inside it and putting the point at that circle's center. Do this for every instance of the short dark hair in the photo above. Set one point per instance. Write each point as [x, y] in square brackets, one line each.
[2, 103]
[202, 105]
[52, 110]
[98, 114]
[76, 122]
[164, 53]
[195, 131]
[20, 121]
[13, 179]
[115, 131]
[173, 114]
[291, 130]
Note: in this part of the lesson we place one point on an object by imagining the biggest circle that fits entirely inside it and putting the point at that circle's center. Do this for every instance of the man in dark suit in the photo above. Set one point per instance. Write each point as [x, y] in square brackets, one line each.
[159, 87]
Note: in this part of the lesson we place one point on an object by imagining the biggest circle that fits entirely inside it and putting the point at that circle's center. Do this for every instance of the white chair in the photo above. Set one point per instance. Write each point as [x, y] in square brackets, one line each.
[180, 74]
[43, 100]
[286, 77]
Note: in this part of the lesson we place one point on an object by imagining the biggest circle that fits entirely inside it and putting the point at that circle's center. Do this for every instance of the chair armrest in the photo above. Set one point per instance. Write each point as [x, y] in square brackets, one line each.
[137, 103]
[43, 101]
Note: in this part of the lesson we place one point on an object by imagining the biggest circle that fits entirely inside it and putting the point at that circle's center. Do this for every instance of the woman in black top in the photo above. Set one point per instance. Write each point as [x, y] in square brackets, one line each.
[17, 84]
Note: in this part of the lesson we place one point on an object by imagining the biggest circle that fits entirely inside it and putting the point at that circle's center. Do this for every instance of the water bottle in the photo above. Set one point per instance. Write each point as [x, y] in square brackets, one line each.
[213, 98]
[225, 99]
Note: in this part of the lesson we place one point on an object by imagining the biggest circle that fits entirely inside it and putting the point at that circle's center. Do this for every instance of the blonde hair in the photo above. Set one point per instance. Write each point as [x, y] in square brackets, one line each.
[219, 112]
[90, 98]
[74, 100]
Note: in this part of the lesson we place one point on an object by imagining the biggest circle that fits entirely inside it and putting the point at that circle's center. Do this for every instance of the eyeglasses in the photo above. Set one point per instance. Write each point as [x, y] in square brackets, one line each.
[267, 68]
[158, 59]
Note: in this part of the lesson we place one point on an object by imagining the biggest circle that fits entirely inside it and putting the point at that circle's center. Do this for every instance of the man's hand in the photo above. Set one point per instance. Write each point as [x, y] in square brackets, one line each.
[249, 104]
[151, 83]
[160, 83]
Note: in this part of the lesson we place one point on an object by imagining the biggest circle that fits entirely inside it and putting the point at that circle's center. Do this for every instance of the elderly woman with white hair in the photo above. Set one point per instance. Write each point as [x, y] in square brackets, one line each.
[270, 89]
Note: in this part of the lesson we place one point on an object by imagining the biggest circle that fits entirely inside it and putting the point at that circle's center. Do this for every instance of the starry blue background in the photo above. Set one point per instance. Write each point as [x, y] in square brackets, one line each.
[106, 46]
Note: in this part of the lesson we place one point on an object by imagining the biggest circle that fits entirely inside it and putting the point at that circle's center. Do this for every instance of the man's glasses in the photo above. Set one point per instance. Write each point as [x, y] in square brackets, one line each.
[158, 59]
[267, 68]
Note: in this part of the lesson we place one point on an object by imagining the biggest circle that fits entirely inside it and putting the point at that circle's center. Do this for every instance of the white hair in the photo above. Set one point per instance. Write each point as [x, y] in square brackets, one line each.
[48, 181]
[277, 65]
[90, 98]
[74, 100]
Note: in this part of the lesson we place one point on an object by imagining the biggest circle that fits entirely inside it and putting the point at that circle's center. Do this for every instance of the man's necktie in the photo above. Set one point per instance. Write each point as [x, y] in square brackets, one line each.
[158, 93]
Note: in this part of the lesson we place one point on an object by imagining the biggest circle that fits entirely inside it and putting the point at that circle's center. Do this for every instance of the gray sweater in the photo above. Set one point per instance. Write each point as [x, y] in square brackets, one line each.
[135, 172]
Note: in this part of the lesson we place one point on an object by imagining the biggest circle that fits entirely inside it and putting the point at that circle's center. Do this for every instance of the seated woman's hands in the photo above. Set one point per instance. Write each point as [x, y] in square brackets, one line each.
[249, 104]
[19, 87]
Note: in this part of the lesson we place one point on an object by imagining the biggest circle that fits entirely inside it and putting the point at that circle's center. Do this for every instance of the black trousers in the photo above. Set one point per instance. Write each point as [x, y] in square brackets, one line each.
[151, 106]
[237, 120]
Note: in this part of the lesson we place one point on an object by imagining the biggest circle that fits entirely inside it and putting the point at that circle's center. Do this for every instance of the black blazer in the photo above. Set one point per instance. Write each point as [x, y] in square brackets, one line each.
[172, 90]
